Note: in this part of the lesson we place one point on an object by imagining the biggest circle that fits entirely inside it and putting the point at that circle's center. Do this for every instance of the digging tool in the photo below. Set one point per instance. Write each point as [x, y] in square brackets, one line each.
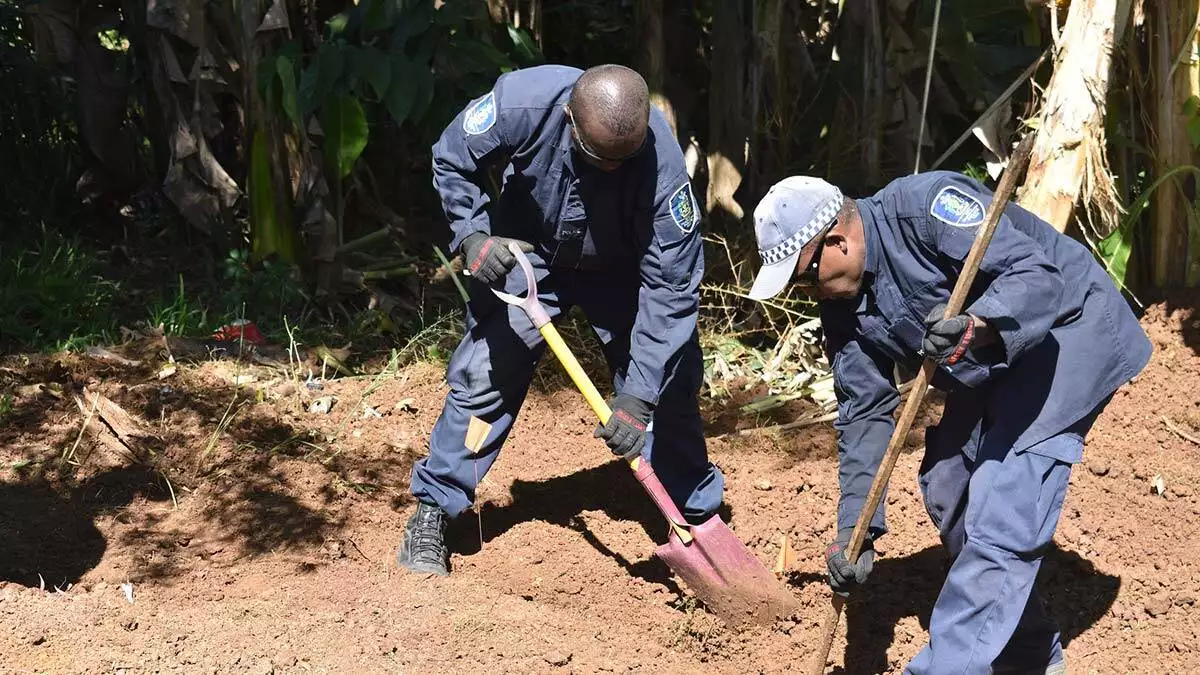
[709, 558]
[1016, 165]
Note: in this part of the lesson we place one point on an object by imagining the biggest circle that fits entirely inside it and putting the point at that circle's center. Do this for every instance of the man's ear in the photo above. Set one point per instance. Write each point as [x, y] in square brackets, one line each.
[836, 239]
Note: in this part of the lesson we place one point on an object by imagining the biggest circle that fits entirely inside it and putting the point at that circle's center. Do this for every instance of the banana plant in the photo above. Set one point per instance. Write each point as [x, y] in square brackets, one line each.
[381, 62]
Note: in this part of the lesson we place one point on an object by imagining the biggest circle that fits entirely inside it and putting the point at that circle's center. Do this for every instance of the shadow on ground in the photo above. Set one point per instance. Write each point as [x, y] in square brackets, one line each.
[247, 488]
[51, 532]
[609, 488]
[1077, 596]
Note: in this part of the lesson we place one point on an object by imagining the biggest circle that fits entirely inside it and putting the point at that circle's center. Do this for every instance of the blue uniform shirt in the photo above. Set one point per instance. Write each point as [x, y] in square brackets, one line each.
[641, 219]
[1069, 338]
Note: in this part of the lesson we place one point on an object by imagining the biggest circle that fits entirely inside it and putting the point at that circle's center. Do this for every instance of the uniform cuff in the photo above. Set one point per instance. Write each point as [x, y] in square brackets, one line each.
[998, 316]
[466, 229]
[849, 509]
[641, 391]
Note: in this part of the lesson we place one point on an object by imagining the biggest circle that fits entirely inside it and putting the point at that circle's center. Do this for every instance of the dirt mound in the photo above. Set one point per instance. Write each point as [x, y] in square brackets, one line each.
[261, 536]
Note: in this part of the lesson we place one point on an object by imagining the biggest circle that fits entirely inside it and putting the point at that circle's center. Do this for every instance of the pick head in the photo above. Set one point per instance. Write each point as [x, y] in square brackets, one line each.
[529, 304]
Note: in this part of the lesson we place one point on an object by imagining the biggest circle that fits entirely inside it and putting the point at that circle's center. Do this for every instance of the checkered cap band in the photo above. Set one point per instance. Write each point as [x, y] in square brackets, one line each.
[823, 216]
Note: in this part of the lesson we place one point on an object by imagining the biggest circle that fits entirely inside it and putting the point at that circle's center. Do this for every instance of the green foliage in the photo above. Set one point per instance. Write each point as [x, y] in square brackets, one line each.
[402, 59]
[52, 295]
[1116, 248]
[264, 294]
[179, 314]
[1191, 110]
[271, 229]
[346, 131]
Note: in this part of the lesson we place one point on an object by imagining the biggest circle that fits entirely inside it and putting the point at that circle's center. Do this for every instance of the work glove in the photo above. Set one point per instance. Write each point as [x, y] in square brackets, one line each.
[625, 432]
[947, 340]
[844, 577]
[488, 258]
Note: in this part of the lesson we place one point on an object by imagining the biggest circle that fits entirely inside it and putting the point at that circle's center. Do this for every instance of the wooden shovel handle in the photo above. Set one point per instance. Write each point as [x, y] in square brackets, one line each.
[1016, 166]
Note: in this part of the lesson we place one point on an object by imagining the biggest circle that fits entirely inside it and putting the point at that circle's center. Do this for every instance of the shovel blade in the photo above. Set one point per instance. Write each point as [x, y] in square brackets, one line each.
[726, 576]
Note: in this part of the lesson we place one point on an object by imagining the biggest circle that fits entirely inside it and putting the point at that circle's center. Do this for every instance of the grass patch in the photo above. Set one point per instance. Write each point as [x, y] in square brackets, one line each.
[52, 295]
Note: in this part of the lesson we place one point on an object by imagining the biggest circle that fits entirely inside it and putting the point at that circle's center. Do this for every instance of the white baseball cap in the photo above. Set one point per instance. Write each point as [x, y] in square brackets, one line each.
[793, 212]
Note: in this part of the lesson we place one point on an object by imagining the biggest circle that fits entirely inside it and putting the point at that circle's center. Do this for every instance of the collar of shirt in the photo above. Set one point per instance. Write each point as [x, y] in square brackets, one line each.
[874, 251]
[566, 145]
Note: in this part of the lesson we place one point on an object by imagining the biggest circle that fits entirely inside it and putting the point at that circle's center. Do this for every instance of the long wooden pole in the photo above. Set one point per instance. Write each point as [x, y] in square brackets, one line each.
[1016, 165]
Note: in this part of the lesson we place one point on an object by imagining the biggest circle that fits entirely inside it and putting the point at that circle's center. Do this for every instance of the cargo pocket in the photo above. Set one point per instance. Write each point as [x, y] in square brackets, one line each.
[1066, 447]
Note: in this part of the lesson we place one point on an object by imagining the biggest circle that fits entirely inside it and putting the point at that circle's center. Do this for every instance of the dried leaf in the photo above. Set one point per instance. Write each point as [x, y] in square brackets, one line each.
[276, 18]
[127, 587]
[167, 371]
[1159, 485]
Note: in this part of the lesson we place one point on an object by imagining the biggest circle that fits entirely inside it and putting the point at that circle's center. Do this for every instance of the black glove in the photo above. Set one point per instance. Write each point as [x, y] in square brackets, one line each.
[488, 258]
[625, 432]
[844, 577]
[947, 340]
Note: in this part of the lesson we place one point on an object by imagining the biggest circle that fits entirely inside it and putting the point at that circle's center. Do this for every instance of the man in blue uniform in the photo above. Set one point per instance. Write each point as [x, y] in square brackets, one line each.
[593, 187]
[1043, 343]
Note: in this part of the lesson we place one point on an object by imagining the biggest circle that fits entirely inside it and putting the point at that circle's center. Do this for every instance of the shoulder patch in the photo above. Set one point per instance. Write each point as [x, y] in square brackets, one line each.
[481, 116]
[683, 208]
[957, 208]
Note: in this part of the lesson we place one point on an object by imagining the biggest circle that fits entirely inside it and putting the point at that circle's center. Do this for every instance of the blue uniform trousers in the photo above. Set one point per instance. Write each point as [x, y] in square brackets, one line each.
[493, 366]
[996, 511]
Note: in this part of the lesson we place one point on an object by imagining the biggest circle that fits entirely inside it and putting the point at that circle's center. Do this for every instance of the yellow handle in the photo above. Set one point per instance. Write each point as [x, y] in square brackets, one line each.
[594, 399]
[580, 378]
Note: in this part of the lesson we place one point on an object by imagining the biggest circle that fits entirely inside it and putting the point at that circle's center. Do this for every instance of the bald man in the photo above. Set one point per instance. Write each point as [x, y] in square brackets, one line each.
[594, 189]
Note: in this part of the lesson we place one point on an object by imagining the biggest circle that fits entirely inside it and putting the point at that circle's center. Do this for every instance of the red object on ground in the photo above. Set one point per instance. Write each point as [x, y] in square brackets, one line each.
[240, 330]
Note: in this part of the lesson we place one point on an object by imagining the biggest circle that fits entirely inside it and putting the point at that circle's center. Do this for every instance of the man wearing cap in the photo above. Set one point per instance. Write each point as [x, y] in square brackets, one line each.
[594, 189]
[1044, 342]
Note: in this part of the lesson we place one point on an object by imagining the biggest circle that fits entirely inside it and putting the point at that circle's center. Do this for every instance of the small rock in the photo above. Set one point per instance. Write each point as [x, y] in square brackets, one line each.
[1183, 490]
[40, 639]
[1185, 601]
[130, 625]
[1099, 467]
[558, 659]
[763, 485]
[406, 405]
[1140, 474]
[1158, 604]
[322, 406]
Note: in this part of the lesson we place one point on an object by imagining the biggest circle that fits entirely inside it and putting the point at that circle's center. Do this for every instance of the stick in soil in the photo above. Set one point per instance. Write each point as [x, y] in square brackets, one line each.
[1180, 432]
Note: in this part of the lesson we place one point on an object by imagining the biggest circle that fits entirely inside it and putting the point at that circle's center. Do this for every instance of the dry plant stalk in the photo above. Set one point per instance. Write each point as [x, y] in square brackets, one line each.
[1069, 160]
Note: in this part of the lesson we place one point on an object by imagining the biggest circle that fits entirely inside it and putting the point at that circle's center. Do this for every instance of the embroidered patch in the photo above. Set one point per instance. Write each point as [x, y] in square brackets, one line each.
[683, 208]
[481, 116]
[957, 208]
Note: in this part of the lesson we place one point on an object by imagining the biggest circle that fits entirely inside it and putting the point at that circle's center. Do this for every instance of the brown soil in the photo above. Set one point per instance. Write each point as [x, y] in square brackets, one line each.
[266, 544]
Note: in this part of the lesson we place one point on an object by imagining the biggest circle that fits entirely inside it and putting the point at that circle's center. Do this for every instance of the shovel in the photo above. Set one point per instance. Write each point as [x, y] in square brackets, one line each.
[709, 558]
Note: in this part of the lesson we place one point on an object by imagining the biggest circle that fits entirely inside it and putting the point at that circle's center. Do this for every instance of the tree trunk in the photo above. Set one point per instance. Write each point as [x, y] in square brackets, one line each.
[1174, 74]
[727, 109]
[651, 61]
[1069, 154]
[770, 96]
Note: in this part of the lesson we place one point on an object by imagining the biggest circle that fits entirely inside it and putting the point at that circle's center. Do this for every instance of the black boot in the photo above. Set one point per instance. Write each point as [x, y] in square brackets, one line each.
[424, 547]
